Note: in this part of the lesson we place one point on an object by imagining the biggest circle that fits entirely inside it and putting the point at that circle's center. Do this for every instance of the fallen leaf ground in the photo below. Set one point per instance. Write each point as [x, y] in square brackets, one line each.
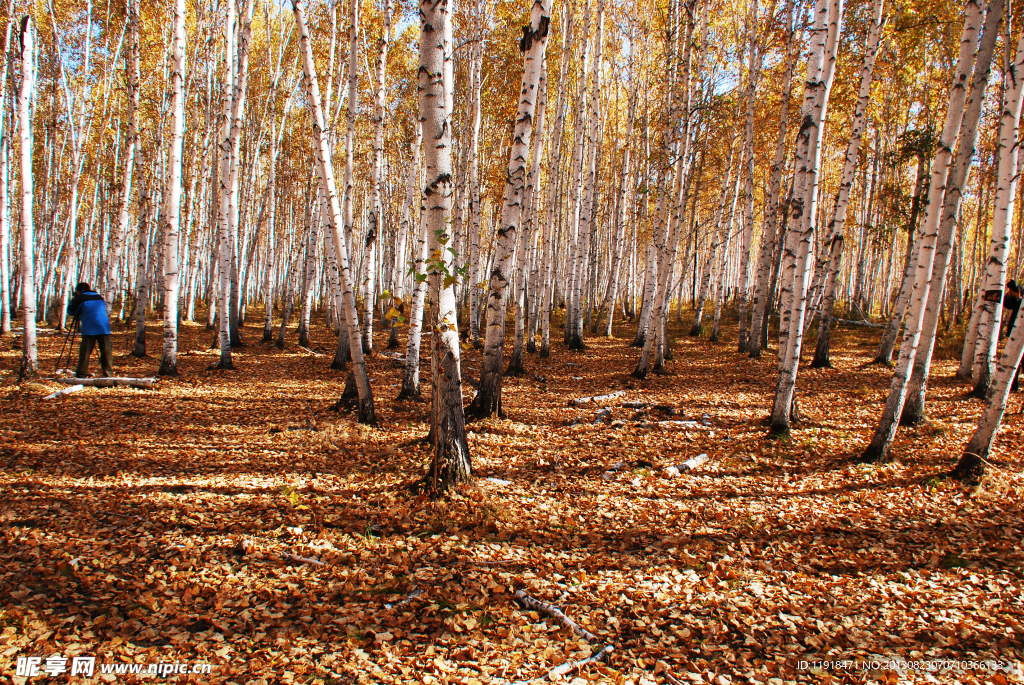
[152, 525]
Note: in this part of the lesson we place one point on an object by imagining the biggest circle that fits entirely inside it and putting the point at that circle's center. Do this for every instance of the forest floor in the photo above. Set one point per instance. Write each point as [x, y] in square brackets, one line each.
[167, 525]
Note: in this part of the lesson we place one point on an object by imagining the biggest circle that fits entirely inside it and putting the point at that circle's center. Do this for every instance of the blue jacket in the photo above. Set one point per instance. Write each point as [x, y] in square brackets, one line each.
[91, 311]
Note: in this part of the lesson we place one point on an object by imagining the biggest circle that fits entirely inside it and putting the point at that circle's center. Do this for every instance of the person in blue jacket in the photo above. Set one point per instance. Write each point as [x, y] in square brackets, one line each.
[90, 309]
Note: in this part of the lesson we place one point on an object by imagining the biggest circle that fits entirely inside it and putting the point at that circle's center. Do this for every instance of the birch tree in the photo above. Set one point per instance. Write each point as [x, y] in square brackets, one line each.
[837, 225]
[451, 463]
[800, 246]
[374, 228]
[535, 37]
[325, 167]
[26, 91]
[172, 196]
[885, 432]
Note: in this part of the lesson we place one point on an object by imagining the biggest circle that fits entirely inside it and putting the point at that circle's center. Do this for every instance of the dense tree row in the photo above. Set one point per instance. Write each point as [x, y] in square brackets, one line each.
[556, 165]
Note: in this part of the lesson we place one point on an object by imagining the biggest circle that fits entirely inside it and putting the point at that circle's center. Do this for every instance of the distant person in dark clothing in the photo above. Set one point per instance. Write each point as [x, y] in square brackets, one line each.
[90, 309]
[1011, 307]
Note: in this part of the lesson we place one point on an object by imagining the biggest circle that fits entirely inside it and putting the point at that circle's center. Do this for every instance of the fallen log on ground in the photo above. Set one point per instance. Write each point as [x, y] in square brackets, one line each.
[596, 398]
[688, 465]
[302, 560]
[852, 322]
[65, 391]
[111, 382]
[555, 613]
[402, 602]
[551, 610]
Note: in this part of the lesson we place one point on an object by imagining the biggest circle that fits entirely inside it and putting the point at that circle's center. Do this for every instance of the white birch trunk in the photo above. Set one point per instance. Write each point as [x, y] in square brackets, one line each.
[325, 167]
[488, 398]
[914, 405]
[29, 353]
[885, 432]
[451, 463]
[374, 224]
[800, 246]
[225, 244]
[771, 234]
[172, 210]
[132, 65]
[999, 249]
[554, 154]
[837, 226]
[408, 216]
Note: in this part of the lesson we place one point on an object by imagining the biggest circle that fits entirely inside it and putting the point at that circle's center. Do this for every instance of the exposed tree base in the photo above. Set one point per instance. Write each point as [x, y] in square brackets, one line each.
[639, 373]
[484, 408]
[970, 470]
[221, 365]
[576, 344]
[515, 370]
[821, 363]
[875, 455]
[349, 396]
[778, 432]
[695, 330]
[167, 369]
[545, 351]
[913, 415]
[531, 346]
[393, 338]
[268, 335]
[410, 396]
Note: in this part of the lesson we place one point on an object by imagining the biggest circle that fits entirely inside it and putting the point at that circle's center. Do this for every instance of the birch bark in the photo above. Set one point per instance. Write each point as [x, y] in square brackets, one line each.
[885, 432]
[29, 352]
[914, 405]
[451, 463]
[800, 246]
[838, 223]
[374, 223]
[325, 167]
[172, 211]
[535, 37]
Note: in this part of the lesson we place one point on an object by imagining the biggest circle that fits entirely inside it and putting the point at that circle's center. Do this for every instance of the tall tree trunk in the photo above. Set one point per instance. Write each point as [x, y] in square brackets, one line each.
[526, 241]
[225, 244]
[771, 235]
[172, 211]
[800, 244]
[1006, 193]
[881, 443]
[404, 228]
[29, 353]
[325, 167]
[535, 38]
[5, 215]
[411, 376]
[451, 464]
[554, 158]
[837, 225]
[914, 405]
[374, 224]
[754, 75]
[131, 144]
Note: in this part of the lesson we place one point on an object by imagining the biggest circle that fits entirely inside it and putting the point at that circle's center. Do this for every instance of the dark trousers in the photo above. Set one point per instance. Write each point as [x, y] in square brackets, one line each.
[85, 351]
